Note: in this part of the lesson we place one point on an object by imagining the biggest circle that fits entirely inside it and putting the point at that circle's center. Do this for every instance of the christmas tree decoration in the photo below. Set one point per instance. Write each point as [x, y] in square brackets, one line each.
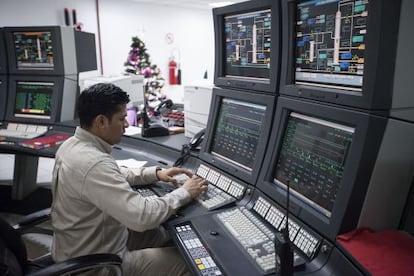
[139, 63]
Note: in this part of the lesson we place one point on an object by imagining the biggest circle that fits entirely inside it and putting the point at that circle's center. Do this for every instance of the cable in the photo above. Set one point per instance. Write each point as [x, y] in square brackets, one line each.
[185, 153]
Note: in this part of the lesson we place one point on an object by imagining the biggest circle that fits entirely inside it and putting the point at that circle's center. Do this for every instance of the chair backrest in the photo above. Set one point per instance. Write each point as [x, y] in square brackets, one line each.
[13, 255]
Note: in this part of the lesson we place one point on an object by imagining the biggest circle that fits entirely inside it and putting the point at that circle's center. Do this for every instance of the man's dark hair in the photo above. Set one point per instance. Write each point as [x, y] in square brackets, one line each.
[100, 99]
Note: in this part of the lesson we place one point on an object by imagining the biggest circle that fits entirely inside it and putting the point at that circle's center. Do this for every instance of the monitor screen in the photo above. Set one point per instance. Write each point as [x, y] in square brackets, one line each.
[247, 45]
[336, 51]
[312, 160]
[41, 50]
[325, 154]
[37, 99]
[330, 43]
[237, 132]
[33, 100]
[34, 50]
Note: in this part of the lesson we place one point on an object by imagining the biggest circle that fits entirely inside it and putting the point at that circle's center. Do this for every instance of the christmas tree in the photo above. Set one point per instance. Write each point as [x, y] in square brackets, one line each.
[138, 58]
[139, 63]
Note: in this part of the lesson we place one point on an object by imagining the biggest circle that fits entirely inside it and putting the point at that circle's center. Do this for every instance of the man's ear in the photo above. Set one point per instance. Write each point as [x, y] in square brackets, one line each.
[100, 121]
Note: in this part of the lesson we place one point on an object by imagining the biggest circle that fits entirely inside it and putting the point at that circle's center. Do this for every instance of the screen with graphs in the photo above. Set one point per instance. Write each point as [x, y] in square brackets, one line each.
[331, 43]
[312, 159]
[237, 132]
[248, 44]
[33, 50]
[33, 100]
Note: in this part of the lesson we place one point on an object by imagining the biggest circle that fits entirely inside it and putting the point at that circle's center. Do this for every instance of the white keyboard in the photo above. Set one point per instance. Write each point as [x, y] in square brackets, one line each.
[214, 198]
[253, 236]
[23, 131]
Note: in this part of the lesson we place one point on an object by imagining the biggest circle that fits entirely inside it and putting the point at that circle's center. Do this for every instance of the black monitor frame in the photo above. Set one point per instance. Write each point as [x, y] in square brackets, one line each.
[249, 176]
[265, 85]
[60, 101]
[3, 54]
[63, 45]
[367, 137]
[381, 43]
[3, 96]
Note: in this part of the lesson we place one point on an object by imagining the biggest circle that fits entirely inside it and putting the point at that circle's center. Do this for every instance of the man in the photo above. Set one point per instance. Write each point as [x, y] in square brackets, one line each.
[94, 208]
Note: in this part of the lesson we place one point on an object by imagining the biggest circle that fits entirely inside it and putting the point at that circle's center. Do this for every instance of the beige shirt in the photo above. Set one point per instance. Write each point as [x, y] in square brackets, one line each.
[93, 202]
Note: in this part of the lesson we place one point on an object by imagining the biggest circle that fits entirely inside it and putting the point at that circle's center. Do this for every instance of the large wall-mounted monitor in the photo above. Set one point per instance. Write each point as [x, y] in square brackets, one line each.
[247, 45]
[340, 51]
[42, 50]
[237, 132]
[3, 96]
[3, 54]
[40, 99]
[326, 155]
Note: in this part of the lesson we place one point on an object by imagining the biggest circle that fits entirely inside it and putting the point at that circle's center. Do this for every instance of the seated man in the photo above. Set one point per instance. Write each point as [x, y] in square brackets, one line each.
[94, 208]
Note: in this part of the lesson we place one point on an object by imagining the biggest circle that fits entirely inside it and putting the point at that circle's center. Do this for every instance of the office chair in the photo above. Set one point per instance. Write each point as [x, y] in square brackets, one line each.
[14, 261]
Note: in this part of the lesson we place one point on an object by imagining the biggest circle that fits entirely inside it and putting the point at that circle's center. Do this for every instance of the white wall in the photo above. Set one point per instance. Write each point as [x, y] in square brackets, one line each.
[119, 21]
[192, 30]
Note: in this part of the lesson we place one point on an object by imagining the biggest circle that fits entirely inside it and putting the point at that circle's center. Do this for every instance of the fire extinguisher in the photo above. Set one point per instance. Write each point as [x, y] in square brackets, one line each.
[172, 69]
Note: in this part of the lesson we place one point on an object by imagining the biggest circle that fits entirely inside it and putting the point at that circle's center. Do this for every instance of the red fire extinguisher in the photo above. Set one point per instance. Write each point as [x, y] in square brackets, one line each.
[172, 69]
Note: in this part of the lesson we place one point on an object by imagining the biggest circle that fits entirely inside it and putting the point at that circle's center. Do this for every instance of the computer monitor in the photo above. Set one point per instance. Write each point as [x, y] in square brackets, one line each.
[40, 99]
[247, 43]
[341, 52]
[326, 155]
[3, 96]
[3, 55]
[42, 50]
[237, 132]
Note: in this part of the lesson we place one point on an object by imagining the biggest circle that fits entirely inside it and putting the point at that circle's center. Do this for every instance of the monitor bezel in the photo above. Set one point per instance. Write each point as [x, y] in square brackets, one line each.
[3, 55]
[3, 96]
[357, 170]
[381, 45]
[58, 84]
[248, 83]
[58, 59]
[248, 176]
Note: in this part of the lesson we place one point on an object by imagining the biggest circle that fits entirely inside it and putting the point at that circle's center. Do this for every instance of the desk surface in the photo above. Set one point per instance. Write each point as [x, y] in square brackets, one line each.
[171, 143]
[163, 151]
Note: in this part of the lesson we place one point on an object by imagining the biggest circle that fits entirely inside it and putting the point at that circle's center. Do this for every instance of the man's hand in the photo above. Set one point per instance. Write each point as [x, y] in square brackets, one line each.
[167, 175]
[195, 186]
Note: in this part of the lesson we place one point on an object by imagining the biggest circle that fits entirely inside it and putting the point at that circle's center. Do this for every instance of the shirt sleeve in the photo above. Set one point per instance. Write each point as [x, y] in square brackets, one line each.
[140, 176]
[107, 188]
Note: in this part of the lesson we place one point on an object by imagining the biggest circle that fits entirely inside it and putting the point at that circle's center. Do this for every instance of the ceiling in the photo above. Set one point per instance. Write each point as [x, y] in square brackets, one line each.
[195, 4]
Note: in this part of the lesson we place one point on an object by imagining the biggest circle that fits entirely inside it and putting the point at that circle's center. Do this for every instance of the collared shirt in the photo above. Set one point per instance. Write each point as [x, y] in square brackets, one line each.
[93, 202]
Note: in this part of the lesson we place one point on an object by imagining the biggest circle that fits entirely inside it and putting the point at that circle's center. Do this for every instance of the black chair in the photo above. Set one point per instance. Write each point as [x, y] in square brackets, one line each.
[14, 261]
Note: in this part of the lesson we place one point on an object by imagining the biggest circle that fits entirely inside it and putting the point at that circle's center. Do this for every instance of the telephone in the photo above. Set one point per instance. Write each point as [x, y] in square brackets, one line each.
[197, 139]
[187, 148]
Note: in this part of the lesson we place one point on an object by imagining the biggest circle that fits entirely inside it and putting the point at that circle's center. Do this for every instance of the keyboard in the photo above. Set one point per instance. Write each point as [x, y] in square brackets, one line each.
[147, 193]
[221, 189]
[23, 131]
[254, 237]
[214, 198]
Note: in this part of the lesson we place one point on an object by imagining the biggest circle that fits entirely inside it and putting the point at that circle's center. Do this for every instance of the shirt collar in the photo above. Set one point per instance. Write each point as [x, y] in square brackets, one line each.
[87, 136]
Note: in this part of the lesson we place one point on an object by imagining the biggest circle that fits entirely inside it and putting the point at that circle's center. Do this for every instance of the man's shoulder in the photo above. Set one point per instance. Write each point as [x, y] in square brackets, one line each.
[82, 152]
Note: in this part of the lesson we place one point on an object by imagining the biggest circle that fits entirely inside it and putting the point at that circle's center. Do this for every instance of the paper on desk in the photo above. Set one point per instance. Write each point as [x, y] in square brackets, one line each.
[132, 130]
[131, 163]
